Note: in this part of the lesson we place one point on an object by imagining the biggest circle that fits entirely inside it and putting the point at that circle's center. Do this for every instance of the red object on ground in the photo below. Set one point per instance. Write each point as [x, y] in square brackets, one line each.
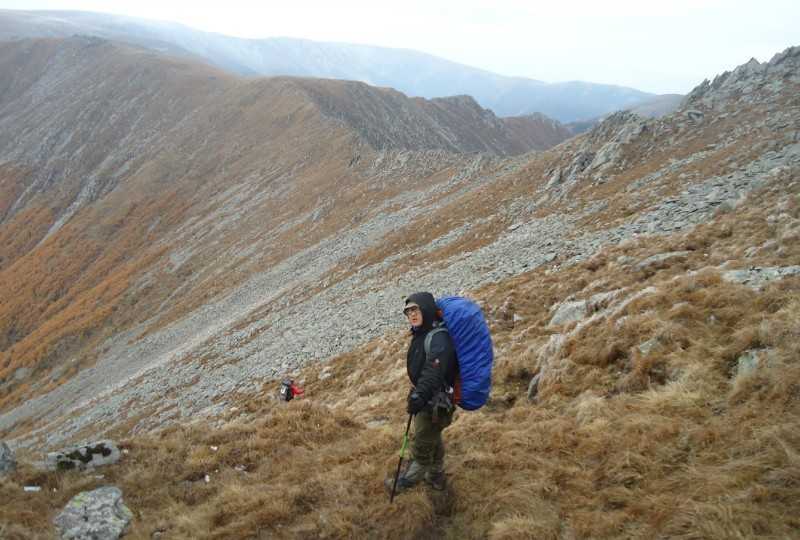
[297, 391]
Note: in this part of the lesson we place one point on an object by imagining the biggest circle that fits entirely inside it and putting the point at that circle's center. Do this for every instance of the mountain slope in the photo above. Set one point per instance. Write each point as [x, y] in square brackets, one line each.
[138, 106]
[130, 178]
[411, 72]
[641, 282]
[258, 207]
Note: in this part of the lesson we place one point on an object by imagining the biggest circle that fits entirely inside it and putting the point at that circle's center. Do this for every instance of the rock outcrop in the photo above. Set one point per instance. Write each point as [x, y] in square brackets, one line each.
[757, 277]
[453, 124]
[743, 81]
[600, 150]
[99, 514]
[83, 457]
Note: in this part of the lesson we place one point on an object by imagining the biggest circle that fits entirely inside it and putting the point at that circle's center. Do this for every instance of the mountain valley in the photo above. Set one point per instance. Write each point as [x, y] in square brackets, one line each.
[175, 240]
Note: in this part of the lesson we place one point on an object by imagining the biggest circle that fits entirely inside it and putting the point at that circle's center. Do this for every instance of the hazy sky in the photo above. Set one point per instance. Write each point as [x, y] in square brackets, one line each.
[657, 46]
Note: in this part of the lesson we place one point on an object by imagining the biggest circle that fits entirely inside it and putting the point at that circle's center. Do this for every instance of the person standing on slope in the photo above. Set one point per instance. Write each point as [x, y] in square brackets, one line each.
[430, 401]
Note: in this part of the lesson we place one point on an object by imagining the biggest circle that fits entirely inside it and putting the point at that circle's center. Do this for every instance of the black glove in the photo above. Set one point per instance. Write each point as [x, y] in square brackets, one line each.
[415, 403]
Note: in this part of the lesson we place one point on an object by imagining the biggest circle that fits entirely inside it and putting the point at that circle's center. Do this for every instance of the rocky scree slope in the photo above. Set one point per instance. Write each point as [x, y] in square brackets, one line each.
[478, 220]
[648, 391]
[136, 189]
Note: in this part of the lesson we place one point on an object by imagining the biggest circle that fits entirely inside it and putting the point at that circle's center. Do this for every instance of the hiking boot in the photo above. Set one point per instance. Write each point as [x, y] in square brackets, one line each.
[436, 480]
[403, 484]
[408, 478]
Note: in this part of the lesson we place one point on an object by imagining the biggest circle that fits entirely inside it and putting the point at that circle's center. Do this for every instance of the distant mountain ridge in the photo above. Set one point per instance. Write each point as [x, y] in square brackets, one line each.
[146, 108]
[411, 72]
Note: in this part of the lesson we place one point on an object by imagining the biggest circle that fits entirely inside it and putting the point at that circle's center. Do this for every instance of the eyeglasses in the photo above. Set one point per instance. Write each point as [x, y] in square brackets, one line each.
[411, 310]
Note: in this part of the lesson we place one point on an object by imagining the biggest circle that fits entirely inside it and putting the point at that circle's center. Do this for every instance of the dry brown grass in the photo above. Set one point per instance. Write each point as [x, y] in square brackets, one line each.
[619, 444]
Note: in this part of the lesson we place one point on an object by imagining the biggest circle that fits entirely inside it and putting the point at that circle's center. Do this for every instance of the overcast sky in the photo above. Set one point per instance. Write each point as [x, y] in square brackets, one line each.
[658, 46]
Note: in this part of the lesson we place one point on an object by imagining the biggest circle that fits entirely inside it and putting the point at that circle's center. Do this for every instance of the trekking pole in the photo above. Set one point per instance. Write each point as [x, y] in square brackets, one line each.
[402, 454]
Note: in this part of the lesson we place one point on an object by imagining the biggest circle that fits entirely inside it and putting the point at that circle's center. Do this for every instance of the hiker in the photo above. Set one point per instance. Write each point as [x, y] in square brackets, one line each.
[430, 400]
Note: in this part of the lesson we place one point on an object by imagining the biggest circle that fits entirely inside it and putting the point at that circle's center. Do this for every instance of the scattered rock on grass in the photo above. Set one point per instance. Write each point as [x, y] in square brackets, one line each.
[647, 347]
[750, 361]
[81, 457]
[8, 461]
[99, 514]
[660, 258]
[756, 277]
[568, 312]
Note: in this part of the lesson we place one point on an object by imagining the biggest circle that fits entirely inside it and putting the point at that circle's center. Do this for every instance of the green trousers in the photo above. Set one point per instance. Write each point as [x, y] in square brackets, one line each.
[427, 447]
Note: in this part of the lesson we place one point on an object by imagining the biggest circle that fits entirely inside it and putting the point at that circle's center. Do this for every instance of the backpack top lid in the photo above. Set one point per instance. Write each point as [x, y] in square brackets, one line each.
[473, 342]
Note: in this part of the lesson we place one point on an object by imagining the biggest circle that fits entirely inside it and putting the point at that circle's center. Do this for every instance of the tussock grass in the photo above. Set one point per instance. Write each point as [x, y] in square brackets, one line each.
[622, 441]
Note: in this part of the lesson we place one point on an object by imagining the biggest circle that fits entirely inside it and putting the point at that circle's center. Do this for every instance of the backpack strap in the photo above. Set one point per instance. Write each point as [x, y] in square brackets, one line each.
[427, 347]
[429, 338]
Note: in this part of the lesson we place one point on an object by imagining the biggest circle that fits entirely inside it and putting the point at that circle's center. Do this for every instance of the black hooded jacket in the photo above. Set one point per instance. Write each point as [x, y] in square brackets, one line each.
[439, 369]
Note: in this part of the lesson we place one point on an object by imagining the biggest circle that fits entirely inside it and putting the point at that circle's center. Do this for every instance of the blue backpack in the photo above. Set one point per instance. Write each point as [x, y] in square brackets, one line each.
[465, 323]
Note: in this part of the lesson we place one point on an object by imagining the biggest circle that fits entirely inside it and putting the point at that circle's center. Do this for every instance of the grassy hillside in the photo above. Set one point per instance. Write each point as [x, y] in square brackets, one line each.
[672, 440]
[256, 232]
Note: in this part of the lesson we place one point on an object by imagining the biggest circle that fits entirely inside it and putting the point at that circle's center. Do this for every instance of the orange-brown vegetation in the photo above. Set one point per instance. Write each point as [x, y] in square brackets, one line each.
[21, 234]
[62, 296]
[643, 425]
[619, 443]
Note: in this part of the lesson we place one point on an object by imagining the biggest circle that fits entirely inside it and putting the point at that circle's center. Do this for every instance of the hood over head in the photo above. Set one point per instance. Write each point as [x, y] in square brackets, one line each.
[427, 304]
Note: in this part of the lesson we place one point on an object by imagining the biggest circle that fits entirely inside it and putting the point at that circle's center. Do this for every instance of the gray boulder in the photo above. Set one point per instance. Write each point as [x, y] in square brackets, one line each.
[99, 514]
[7, 460]
[647, 347]
[555, 178]
[533, 387]
[758, 277]
[747, 363]
[579, 163]
[22, 373]
[82, 457]
[606, 156]
[655, 260]
[568, 312]
[695, 115]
